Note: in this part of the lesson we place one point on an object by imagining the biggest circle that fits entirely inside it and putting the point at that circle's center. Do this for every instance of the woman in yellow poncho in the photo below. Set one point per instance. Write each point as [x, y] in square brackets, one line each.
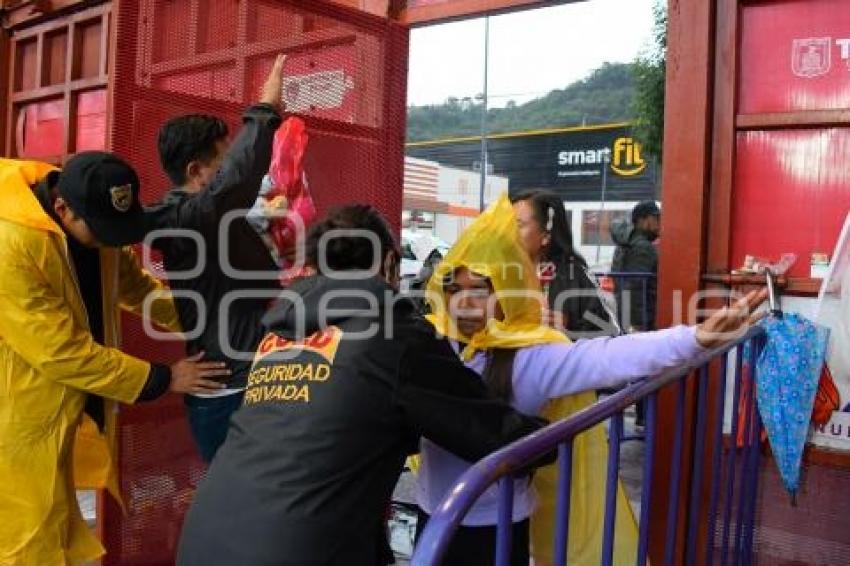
[486, 298]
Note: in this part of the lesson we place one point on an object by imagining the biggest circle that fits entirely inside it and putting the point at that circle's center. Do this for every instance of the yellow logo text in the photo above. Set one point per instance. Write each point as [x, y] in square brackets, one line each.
[627, 160]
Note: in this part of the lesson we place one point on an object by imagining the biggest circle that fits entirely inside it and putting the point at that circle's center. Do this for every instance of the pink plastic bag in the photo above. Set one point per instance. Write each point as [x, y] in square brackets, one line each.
[290, 190]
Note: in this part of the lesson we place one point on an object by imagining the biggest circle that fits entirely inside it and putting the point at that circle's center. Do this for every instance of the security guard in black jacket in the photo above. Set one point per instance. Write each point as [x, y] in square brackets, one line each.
[344, 383]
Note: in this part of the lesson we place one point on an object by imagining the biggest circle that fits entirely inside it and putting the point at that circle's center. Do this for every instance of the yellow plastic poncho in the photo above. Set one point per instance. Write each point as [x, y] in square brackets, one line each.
[491, 248]
[50, 361]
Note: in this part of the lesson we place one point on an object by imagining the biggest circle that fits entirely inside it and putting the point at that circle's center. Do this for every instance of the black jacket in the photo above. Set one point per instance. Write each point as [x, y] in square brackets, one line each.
[311, 458]
[580, 302]
[635, 253]
[235, 187]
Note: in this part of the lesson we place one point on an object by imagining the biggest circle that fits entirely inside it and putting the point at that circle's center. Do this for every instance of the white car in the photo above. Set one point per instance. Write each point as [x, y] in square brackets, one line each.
[416, 246]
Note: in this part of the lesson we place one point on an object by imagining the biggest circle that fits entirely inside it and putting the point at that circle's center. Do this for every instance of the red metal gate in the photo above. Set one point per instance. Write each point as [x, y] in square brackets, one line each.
[346, 75]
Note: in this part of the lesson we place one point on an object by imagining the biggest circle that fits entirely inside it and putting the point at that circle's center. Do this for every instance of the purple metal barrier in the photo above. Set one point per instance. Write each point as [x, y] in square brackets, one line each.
[500, 467]
[620, 278]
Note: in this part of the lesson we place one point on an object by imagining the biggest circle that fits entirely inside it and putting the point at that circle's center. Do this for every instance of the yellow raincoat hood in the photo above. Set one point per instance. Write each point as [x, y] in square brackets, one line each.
[491, 248]
[17, 202]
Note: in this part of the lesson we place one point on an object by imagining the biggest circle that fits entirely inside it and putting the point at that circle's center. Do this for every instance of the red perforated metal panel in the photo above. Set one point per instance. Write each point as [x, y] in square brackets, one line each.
[812, 533]
[347, 75]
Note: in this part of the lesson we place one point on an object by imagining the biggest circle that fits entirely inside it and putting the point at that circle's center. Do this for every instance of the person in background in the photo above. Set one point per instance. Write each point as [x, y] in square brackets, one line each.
[213, 179]
[64, 272]
[636, 253]
[346, 380]
[420, 282]
[574, 302]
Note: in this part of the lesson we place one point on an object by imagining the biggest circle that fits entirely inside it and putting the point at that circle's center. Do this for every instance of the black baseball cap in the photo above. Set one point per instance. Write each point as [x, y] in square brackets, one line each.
[103, 190]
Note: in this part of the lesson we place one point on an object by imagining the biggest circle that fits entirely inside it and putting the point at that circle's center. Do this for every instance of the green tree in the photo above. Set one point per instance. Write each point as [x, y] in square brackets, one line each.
[650, 71]
[606, 95]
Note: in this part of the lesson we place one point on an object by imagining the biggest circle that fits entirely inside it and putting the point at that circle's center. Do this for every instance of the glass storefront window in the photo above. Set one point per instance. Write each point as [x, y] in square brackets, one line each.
[596, 226]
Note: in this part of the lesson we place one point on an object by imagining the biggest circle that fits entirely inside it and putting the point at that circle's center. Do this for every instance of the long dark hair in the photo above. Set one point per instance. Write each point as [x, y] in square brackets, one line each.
[550, 214]
[499, 373]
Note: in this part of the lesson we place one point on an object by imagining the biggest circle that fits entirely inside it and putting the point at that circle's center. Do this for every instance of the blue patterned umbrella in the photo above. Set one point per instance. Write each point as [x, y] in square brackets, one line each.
[789, 368]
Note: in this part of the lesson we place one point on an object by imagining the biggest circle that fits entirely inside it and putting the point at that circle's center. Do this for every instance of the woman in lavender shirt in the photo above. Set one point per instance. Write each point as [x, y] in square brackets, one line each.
[485, 297]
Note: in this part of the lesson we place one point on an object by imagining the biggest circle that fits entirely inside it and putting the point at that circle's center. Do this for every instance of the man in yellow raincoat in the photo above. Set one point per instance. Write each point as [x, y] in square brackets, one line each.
[60, 286]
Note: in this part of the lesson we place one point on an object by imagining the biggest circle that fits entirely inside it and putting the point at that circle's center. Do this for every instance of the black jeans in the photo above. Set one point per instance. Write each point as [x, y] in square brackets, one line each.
[209, 418]
[476, 546]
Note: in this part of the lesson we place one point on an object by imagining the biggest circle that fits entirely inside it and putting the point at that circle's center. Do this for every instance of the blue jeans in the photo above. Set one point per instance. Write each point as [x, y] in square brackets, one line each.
[209, 419]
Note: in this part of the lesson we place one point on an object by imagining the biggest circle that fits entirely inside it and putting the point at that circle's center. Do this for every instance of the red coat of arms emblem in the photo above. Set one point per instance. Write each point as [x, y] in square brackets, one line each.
[811, 57]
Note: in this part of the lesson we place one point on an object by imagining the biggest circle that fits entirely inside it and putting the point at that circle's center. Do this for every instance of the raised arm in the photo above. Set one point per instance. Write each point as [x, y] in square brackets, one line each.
[564, 369]
[238, 180]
